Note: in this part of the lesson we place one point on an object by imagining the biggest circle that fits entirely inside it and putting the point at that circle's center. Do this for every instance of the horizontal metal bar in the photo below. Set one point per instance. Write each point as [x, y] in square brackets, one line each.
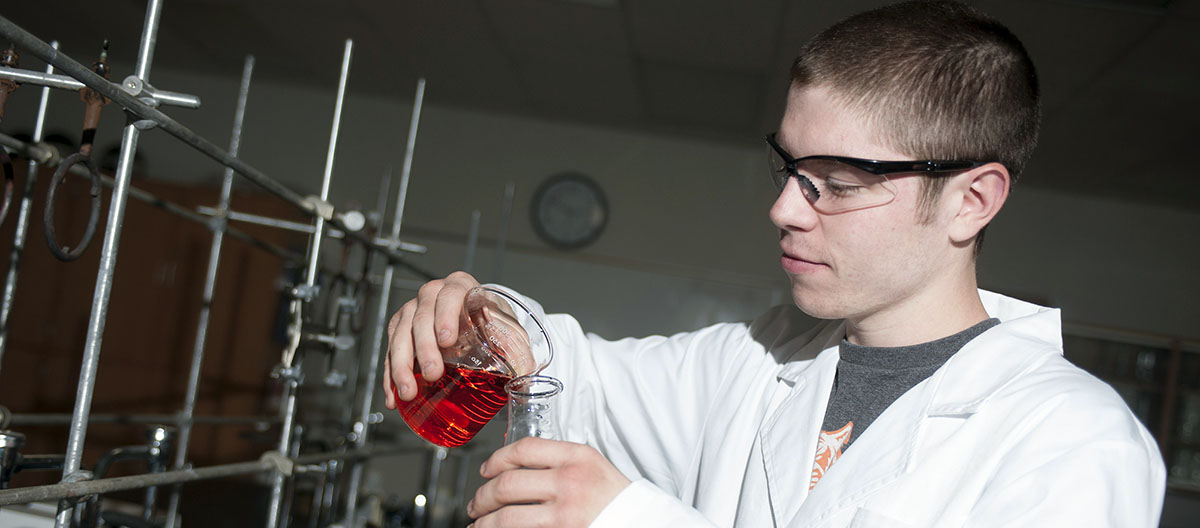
[401, 245]
[40, 462]
[65, 82]
[307, 228]
[263, 221]
[38, 419]
[60, 491]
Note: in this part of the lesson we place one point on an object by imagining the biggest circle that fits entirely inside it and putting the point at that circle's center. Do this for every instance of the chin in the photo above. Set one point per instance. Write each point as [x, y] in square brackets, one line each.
[818, 305]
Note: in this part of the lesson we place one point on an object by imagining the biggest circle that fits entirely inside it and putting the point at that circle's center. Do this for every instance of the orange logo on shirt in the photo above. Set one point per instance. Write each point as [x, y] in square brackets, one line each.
[829, 449]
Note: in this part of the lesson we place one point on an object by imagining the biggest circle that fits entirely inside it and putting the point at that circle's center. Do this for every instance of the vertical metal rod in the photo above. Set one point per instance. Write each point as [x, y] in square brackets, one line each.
[290, 387]
[433, 491]
[460, 483]
[22, 230]
[327, 177]
[104, 277]
[381, 203]
[318, 500]
[277, 484]
[289, 497]
[472, 242]
[502, 237]
[381, 312]
[151, 500]
[409, 147]
[210, 281]
[328, 496]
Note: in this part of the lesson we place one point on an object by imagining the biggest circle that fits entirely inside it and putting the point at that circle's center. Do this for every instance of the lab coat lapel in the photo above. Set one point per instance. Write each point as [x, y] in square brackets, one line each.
[889, 447]
[877, 457]
[789, 436]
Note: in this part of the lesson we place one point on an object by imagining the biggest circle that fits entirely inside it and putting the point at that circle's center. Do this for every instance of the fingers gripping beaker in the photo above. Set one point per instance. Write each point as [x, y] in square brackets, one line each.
[492, 348]
[530, 408]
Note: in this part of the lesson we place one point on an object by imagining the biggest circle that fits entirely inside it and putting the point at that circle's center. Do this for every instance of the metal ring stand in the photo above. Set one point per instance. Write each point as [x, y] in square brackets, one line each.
[63, 253]
[141, 101]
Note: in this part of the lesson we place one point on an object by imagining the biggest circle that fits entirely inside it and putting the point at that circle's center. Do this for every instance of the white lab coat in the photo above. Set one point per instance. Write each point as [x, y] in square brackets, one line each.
[719, 427]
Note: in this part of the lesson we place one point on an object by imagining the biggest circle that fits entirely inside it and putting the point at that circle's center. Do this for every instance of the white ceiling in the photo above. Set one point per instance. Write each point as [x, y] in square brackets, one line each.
[1119, 77]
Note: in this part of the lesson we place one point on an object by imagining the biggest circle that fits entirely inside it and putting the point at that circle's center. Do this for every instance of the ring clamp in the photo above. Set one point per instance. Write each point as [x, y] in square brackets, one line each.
[64, 253]
[94, 102]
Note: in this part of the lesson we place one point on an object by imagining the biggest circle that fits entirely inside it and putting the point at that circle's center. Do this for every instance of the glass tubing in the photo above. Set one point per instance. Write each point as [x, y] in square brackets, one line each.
[318, 207]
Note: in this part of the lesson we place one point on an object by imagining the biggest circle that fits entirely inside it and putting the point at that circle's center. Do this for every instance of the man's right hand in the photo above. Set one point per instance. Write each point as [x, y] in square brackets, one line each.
[421, 326]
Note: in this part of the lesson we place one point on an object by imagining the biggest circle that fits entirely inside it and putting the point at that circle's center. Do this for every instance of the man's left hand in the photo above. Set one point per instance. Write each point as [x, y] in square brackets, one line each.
[536, 482]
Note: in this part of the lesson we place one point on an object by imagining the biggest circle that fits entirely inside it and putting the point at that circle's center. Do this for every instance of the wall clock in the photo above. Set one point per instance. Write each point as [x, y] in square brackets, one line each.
[569, 210]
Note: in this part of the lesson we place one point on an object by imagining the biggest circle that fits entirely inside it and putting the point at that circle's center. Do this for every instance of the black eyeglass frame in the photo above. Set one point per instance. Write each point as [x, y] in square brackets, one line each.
[876, 167]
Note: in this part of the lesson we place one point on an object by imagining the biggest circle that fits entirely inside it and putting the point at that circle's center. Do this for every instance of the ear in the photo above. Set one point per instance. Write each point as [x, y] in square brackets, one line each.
[982, 192]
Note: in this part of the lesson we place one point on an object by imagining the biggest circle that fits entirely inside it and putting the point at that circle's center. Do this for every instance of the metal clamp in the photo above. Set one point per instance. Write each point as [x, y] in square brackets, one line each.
[305, 292]
[353, 221]
[44, 153]
[291, 374]
[321, 208]
[136, 87]
[279, 462]
[338, 342]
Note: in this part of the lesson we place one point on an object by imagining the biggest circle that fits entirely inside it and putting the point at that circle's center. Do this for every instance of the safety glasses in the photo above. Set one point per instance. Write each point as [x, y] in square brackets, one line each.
[837, 184]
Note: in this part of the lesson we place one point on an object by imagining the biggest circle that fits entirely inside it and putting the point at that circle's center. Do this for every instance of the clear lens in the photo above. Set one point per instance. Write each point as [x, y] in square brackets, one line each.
[777, 169]
[841, 187]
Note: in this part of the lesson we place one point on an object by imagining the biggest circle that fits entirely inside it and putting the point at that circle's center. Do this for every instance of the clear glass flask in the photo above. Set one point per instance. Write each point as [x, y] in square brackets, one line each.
[530, 408]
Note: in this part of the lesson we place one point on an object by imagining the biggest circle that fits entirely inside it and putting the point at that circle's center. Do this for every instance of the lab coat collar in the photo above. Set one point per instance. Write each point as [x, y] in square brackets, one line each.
[886, 449]
[1028, 329]
[1026, 334]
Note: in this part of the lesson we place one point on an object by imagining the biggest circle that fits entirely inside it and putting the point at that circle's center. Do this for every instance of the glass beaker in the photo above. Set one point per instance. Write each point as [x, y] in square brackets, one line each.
[530, 403]
[492, 349]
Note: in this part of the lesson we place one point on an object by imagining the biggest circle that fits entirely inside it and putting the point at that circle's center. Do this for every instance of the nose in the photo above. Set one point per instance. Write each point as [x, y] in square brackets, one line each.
[792, 211]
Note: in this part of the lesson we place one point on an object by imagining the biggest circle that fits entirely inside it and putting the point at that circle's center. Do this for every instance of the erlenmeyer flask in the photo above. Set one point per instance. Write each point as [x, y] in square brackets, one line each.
[530, 406]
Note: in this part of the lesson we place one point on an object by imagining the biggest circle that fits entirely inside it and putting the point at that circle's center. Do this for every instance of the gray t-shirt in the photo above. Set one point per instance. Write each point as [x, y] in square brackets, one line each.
[869, 379]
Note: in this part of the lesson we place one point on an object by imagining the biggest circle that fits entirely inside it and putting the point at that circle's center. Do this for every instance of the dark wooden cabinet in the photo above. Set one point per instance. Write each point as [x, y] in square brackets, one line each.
[150, 332]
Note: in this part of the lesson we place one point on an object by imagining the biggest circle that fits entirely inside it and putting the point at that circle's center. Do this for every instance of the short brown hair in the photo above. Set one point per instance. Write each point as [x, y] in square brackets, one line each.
[937, 79]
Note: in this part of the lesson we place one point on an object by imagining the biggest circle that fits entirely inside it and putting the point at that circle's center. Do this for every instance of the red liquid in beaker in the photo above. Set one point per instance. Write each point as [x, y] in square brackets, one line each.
[449, 411]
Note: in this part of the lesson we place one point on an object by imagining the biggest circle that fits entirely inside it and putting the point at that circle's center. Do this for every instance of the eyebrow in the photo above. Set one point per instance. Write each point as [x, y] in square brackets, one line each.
[782, 142]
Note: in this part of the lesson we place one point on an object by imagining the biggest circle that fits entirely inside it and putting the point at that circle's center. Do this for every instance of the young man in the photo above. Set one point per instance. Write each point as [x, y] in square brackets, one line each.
[919, 401]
